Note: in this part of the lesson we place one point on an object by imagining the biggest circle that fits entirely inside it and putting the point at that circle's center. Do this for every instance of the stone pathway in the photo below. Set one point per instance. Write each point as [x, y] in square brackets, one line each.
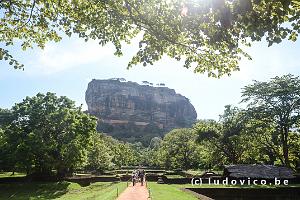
[136, 192]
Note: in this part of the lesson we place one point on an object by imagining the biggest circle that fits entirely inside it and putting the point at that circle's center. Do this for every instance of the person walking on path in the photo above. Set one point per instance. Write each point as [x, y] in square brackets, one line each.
[133, 177]
[142, 176]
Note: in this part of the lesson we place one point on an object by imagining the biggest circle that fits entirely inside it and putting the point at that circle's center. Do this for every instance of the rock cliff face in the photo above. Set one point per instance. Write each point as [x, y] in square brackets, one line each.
[129, 111]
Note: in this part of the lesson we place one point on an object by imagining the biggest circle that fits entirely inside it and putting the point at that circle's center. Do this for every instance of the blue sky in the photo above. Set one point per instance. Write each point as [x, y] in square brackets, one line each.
[65, 68]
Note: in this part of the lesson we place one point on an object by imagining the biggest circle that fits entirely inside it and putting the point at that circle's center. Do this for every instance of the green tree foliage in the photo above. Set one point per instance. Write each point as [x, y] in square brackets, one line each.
[265, 141]
[48, 133]
[6, 159]
[279, 101]
[5, 116]
[224, 140]
[207, 131]
[155, 143]
[294, 153]
[99, 155]
[122, 153]
[207, 35]
[150, 154]
[3, 155]
[179, 150]
[108, 153]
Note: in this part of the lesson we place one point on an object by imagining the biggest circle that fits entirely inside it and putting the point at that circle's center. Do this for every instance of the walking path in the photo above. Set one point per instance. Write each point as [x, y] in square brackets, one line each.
[136, 192]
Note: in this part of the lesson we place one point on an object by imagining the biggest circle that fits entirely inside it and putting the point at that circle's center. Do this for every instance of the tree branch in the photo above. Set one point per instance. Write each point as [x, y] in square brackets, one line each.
[30, 16]
[150, 28]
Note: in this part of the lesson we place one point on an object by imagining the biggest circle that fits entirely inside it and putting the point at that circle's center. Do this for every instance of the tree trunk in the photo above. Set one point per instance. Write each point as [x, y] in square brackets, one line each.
[285, 150]
[272, 157]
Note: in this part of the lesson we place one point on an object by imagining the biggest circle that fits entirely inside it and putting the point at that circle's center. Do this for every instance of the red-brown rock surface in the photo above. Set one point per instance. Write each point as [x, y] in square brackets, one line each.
[129, 110]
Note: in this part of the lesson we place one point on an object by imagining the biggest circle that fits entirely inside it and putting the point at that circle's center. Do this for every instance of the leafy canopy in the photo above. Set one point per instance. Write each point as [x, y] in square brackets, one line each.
[206, 34]
[179, 150]
[225, 139]
[277, 100]
[46, 132]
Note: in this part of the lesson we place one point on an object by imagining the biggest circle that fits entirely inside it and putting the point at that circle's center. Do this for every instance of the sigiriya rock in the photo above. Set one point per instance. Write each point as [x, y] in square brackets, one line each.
[133, 112]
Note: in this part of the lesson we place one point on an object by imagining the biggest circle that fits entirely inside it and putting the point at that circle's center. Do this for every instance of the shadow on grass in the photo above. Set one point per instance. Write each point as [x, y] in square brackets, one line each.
[84, 182]
[33, 190]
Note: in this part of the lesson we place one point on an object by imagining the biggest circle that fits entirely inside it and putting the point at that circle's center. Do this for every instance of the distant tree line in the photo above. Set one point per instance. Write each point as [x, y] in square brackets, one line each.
[48, 135]
[266, 132]
[143, 82]
[151, 84]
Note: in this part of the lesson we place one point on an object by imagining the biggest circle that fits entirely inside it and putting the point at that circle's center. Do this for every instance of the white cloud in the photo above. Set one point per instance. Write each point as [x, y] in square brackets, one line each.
[69, 53]
[268, 62]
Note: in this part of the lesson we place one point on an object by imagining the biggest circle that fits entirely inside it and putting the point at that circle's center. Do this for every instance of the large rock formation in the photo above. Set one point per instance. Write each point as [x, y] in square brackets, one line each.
[129, 111]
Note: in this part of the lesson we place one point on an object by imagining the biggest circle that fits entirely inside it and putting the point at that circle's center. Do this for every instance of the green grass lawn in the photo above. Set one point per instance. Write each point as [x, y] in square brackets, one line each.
[9, 174]
[169, 192]
[96, 191]
[61, 190]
